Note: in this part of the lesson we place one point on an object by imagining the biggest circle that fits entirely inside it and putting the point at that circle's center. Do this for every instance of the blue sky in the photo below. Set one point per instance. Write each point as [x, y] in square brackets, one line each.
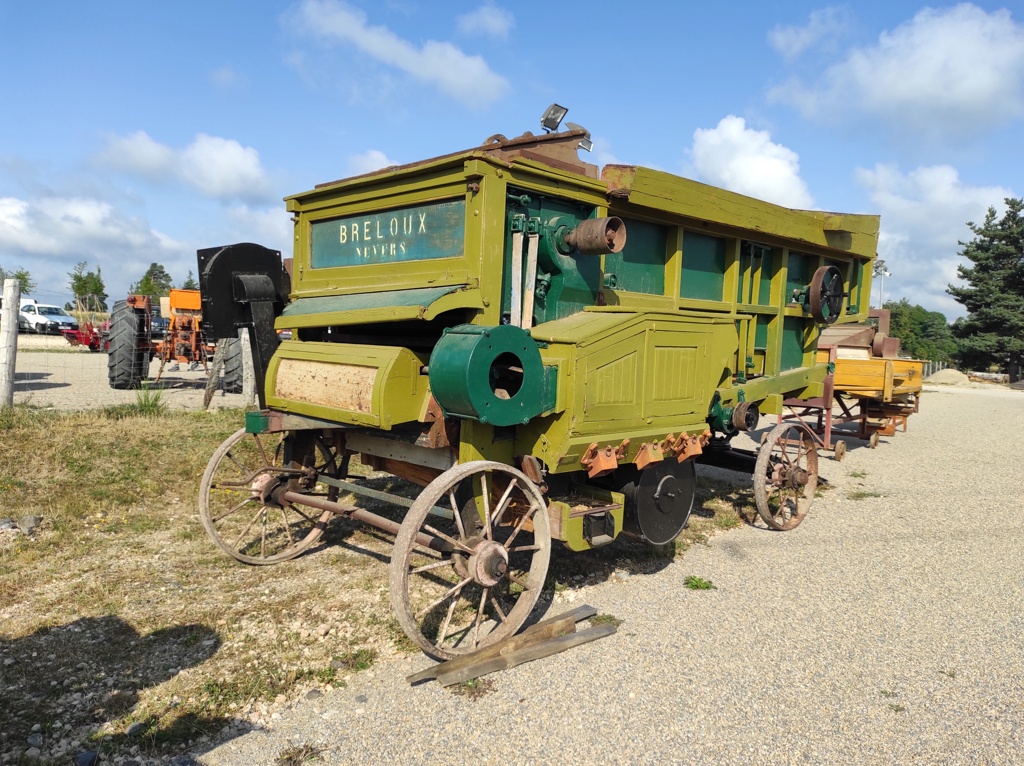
[137, 132]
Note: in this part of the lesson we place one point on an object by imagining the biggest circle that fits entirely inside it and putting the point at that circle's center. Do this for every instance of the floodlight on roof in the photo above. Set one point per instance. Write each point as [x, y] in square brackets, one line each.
[553, 117]
[585, 143]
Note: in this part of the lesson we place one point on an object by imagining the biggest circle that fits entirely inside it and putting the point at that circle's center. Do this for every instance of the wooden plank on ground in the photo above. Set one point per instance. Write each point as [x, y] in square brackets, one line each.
[527, 654]
[553, 627]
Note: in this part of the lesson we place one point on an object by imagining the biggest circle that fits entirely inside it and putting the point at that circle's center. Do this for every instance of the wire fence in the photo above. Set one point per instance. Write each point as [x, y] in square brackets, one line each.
[930, 368]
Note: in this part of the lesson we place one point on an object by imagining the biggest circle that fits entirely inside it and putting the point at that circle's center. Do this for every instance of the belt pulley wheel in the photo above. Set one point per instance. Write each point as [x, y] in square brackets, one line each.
[659, 500]
[826, 294]
[238, 497]
[479, 581]
[786, 476]
[491, 374]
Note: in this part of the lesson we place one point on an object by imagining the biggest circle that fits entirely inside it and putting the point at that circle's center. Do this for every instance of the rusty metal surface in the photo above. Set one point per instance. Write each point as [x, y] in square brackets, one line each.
[786, 476]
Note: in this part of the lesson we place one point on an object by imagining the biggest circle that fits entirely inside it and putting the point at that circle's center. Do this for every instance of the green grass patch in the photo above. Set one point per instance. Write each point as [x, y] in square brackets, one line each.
[860, 494]
[473, 689]
[296, 755]
[360, 659]
[693, 582]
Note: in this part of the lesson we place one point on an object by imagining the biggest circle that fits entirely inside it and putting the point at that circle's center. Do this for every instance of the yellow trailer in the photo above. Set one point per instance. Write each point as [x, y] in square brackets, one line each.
[869, 383]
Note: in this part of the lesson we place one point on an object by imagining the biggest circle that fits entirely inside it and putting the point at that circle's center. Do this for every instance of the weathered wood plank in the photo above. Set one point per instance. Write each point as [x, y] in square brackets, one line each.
[527, 654]
[544, 630]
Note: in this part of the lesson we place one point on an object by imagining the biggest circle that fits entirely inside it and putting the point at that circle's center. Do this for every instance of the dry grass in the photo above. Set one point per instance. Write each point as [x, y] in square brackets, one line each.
[119, 610]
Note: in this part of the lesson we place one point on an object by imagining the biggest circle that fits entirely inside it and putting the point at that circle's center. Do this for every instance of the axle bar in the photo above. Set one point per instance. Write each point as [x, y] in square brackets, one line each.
[363, 516]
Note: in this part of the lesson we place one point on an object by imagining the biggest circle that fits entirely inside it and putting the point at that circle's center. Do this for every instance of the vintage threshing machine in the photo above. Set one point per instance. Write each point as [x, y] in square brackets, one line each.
[544, 348]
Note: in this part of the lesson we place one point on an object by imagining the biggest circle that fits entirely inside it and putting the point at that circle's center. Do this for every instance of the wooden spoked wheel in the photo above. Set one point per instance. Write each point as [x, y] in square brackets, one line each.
[238, 503]
[470, 558]
[786, 476]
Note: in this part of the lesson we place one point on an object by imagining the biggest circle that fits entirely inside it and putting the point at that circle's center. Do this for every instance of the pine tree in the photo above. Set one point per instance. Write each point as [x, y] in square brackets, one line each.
[992, 333]
[156, 282]
[190, 283]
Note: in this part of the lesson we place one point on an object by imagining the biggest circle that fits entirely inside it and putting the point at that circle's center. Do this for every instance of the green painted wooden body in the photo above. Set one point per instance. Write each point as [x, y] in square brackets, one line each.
[700, 306]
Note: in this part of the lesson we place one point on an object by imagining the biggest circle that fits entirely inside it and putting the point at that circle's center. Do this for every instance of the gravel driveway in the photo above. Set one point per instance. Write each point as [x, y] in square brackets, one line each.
[886, 629]
[49, 373]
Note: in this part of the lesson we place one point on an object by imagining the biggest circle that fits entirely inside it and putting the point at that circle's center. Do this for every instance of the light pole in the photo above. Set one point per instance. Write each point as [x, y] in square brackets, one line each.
[880, 273]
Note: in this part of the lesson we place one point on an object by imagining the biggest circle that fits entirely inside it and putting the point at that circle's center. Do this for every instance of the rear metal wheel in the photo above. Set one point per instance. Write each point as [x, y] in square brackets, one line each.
[490, 545]
[786, 476]
[839, 450]
[238, 494]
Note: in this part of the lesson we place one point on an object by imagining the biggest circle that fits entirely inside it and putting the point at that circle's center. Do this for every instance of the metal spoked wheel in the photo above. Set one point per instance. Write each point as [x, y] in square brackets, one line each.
[470, 558]
[786, 476]
[238, 502]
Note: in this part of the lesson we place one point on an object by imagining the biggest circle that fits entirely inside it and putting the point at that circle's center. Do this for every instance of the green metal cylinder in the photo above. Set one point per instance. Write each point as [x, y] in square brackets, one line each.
[490, 374]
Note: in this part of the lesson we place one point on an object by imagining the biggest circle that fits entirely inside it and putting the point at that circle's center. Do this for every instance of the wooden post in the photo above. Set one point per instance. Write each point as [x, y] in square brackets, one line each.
[214, 374]
[248, 372]
[9, 340]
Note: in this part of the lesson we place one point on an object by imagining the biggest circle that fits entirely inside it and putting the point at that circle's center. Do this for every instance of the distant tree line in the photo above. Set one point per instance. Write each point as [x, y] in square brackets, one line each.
[923, 334]
[90, 294]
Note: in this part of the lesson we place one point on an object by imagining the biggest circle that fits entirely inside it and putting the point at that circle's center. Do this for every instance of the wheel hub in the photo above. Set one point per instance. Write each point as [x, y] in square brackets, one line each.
[797, 477]
[488, 564]
[265, 486]
[666, 493]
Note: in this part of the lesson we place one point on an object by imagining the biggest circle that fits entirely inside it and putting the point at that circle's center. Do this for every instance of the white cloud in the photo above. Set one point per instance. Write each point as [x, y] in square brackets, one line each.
[219, 168]
[56, 225]
[946, 72]
[747, 161]
[367, 162]
[50, 235]
[267, 226]
[821, 27]
[226, 77]
[222, 168]
[488, 20]
[16, 228]
[138, 153]
[466, 78]
[924, 216]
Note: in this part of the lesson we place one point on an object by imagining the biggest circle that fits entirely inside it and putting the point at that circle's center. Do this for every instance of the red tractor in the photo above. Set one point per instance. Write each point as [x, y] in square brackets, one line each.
[133, 340]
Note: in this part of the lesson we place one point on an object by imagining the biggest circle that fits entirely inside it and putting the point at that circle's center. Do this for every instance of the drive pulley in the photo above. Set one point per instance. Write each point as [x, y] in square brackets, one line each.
[659, 500]
[491, 374]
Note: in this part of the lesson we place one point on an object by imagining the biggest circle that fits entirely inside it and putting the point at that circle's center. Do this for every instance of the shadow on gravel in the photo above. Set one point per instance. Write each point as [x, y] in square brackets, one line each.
[179, 383]
[73, 682]
[25, 382]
